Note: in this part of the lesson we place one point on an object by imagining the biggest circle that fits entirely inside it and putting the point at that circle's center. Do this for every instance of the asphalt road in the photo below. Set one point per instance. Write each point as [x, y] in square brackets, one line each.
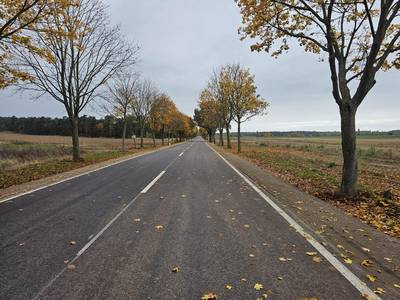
[134, 222]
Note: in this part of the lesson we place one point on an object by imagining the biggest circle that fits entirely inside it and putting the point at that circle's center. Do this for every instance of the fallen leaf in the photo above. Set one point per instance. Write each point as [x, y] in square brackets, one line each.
[158, 227]
[183, 196]
[366, 263]
[251, 255]
[340, 246]
[228, 287]
[246, 226]
[176, 270]
[388, 259]
[311, 253]
[316, 259]
[348, 261]
[379, 291]
[365, 249]
[243, 279]
[371, 278]
[71, 267]
[72, 243]
[258, 286]
[396, 285]
[280, 278]
[282, 259]
[209, 296]
[136, 220]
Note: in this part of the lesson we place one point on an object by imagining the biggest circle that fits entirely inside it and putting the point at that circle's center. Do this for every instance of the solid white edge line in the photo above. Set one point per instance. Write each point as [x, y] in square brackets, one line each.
[342, 269]
[146, 189]
[83, 174]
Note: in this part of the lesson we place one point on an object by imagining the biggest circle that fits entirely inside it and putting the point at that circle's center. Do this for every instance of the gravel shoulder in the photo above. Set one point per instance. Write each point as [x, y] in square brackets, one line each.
[342, 234]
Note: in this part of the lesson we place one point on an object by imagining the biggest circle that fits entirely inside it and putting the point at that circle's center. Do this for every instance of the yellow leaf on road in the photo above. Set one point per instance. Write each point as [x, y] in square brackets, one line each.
[379, 291]
[311, 253]
[72, 243]
[136, 220]
[396, 285]
[158, 227]
[176, 270]
[366, 263]
[317, 259]
[209, 296]
[348, 261]
[228, 287]
[258, 286]
[365, 249]
[371, 278]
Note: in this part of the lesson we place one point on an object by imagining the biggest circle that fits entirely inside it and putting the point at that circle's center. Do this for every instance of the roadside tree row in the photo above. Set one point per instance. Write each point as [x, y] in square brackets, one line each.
[230, 95]
[130, 97]
[69, 50]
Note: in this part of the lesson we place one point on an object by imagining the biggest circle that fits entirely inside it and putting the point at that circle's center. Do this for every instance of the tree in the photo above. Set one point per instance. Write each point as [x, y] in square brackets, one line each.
[146, 95]
[161, 114]
[83, 53]
[224, 111]
[16, 19]
[120, 97]
[206, 116]
[359, 37]
[239, 86]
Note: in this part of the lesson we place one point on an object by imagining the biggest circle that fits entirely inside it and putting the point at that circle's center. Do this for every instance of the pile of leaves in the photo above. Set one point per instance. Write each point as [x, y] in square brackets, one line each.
[378, 202]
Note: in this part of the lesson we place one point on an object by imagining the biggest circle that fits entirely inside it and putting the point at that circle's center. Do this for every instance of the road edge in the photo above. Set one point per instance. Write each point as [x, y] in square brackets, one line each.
[5, 199]
[342, 269]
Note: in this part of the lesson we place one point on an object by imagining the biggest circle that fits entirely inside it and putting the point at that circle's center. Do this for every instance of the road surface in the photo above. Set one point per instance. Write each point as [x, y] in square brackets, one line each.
[119, 232]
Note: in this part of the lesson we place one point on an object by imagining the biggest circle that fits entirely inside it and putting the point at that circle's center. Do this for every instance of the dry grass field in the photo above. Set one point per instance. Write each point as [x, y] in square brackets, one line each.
[28, 157]
[313, 164]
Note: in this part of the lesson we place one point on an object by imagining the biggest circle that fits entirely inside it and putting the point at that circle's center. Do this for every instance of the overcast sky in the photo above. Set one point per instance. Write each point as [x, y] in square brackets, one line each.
[183, 40]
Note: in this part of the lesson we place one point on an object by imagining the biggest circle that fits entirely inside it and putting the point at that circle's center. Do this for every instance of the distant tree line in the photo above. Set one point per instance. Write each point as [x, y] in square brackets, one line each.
[315, 133]
[89, 126]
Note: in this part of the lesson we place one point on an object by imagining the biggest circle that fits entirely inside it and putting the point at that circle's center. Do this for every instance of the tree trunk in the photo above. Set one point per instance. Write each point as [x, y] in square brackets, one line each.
[75, 139]
[228, 137]
[154, 140]
[123, 136]
[349, 148]
[169, 143]
[141, 137]
[239, 146]
[221, 137]
[163, 132]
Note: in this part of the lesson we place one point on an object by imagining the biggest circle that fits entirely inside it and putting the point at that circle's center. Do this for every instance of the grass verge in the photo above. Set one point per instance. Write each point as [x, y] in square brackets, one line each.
[318, 174]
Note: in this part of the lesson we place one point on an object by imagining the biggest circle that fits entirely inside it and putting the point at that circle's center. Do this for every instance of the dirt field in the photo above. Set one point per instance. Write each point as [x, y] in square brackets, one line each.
[313, 164]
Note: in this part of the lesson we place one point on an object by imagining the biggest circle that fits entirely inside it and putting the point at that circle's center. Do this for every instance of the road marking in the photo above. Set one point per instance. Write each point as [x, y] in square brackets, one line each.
[83, 174]
[145, 190]
[346, 273]
[98, 235]
[50, 283]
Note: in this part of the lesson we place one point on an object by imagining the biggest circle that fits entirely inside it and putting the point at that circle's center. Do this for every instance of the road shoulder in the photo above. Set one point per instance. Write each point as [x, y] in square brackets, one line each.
[342, 234]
